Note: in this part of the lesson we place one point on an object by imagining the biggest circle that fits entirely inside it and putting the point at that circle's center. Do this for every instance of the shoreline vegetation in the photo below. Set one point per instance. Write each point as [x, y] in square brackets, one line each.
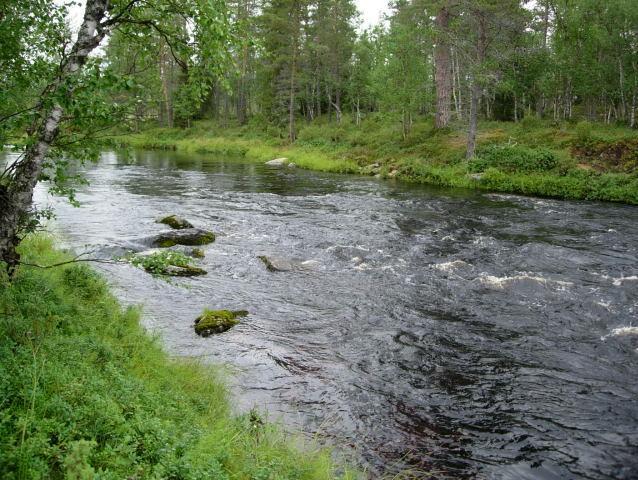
[87, 393]
[575, 161]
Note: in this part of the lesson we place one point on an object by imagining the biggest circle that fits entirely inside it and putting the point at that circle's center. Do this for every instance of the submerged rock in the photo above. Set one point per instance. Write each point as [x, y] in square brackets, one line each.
[181, 271]
[372, 169]
[310, 264]
[191, 252]
[217, 321]
[278, 162]
[191, 237]
[178, 223]
[275, 264]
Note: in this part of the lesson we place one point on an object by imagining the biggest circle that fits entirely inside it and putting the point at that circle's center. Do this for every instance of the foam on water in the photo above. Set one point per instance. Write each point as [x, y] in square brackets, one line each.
[621, 332]
[450, 266]
[619, 281]
[503, 282]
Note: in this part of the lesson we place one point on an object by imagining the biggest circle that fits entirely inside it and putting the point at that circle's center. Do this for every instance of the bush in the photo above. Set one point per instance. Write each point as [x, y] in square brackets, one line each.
[158, 262]
[530, 122]
[513, 158]
[584, 132]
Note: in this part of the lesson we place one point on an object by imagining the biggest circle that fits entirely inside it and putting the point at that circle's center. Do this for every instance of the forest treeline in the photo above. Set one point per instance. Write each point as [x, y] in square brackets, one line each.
[292, 61]
[275, 66]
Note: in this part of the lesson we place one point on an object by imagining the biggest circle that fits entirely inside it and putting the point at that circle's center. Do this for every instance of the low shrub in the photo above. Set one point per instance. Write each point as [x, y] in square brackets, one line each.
[513, 158]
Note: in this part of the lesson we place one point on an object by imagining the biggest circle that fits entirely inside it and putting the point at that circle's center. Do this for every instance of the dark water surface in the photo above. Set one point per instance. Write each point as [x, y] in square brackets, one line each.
[474, 335]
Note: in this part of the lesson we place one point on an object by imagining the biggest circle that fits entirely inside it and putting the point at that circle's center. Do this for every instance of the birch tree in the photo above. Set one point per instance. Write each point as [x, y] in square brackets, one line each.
[67, 92]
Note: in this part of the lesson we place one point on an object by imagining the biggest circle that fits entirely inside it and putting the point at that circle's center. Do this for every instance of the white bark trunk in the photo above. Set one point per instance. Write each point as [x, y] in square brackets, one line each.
[17, 196]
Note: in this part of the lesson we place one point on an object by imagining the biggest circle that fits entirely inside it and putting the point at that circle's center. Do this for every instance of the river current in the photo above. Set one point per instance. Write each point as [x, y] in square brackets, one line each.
[465, 334]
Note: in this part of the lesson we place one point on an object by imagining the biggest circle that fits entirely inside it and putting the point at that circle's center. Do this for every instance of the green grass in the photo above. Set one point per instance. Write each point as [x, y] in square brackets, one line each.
[579, 160]
[86, 393]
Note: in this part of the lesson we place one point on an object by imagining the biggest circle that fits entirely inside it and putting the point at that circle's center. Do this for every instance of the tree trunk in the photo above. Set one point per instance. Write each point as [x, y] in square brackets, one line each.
[166, 70]
[540, 100]
[456, 85]
[621, 80]
[16, 196]
[474, 105]
[292, 133]
[476, 89]
[442, 65]
[633, 101]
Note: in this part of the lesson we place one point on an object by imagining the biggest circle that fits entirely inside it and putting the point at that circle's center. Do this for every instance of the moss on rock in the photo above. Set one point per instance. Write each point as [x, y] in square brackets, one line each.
[178, 223]
[217, 321]
[183, 271]
[205, 239]
[166, 263]
[197, 253]
[266, 261]
[191, 237]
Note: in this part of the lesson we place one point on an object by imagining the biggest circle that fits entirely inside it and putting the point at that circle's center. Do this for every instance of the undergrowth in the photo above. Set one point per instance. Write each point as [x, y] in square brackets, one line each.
[532, 157]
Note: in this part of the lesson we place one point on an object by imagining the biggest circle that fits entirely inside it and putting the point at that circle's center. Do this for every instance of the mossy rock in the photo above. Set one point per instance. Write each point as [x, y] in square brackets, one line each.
[171, 263]
[275, 265]
[371, 170]
[197, 253]
[182, 271]
[178, 223]
[191, 237]
[217, 321]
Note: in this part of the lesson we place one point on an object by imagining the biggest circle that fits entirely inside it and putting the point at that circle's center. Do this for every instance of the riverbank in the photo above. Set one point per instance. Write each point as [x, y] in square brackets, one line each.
[580, 161]
[86, 392]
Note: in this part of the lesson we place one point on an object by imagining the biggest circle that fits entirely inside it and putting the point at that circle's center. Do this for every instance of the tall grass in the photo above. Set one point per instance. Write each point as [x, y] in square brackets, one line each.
[86, 393]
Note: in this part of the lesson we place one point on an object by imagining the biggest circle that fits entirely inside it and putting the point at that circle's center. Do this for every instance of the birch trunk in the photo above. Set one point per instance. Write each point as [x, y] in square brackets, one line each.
[476, 90]
[16, 196]
[442, 65]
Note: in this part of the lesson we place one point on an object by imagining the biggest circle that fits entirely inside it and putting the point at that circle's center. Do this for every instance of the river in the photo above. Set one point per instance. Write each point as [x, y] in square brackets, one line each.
[467, 334]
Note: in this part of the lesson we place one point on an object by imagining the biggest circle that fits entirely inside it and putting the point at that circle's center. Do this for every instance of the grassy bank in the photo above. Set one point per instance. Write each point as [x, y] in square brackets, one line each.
[559, 160]
[85, 393]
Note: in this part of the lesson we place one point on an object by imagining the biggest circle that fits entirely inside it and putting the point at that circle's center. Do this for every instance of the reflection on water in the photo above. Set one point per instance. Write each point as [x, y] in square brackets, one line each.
[464, 333]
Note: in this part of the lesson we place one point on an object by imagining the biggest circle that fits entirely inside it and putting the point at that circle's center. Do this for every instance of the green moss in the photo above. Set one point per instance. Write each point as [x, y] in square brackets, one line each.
[266, 261]
[204, 239]
[188, 271]
[217, 321]
[190, 238]
[176, 222]
[166, 243]
[84, 389]
[168, 263]
[198, 253]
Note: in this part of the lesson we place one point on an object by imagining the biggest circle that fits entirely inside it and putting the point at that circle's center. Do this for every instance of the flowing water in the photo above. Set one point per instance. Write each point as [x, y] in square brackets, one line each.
[470, 335]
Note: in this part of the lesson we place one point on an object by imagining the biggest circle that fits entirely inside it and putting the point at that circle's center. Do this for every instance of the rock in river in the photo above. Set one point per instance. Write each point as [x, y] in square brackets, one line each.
[178, 223]
[217, 321]
[278, 162]
[276, 264]
[191, 237]
[183, 271]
